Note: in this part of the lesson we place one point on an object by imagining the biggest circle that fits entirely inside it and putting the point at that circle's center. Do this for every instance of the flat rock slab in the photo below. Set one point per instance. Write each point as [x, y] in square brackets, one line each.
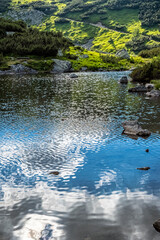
[144, 168]
[133, 128]
[138, 89]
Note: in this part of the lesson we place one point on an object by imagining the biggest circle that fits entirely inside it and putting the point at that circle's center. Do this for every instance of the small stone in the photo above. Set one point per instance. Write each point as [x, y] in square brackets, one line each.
[54, 173]
[144, 168]
[124, 80]
[156, 225]
[147, 150]
[73, 75]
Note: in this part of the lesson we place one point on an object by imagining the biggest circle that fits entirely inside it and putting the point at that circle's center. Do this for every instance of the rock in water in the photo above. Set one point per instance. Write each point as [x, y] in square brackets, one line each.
[147, 150]
[156, 225]
[144, 168]
[153, 93]
[138, 89]
[149, 86]
[133, 128]
[73, 75]
[124, 80]
[54, 173]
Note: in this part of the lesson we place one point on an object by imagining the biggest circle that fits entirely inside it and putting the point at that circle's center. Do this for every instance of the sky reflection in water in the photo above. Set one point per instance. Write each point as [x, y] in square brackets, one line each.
[74, 127]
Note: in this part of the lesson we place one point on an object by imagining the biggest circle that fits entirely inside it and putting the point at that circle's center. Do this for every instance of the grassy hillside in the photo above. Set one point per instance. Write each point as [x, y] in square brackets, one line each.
[104, 25]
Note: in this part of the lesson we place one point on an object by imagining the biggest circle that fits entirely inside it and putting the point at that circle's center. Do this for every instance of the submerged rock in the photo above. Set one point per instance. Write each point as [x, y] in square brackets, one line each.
[54, 173]
[73, 75]
[139, 88]
[156, 225]
[61, 66]
[153, 93]
[133, 128]
[124, 80]
[144, 168]
[147, 150]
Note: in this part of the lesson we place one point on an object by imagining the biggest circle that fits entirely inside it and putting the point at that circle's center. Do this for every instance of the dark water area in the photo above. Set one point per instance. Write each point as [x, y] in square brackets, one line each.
[74, 126]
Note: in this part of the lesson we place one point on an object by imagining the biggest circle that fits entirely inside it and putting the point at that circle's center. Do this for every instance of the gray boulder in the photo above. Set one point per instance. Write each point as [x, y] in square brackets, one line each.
[133, 128]
[124, 80]
[123, 54]
[73, 75]
[156, 225]
[140, 88]
[153, 93]
[61, 66]
[19, 68]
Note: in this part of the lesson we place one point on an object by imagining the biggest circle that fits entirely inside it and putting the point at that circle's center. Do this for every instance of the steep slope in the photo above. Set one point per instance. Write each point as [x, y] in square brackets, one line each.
[102, 25]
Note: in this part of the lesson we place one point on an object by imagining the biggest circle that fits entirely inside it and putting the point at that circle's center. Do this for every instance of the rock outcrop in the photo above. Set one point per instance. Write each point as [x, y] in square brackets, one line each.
[123, 54]
[124, 80]
[61, 66]
[153, 93]
[30, 16]
[133, 128]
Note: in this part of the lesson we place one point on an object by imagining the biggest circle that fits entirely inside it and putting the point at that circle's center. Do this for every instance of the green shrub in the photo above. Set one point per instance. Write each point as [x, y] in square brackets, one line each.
[41, 65]
[147, 72]
[156, 84]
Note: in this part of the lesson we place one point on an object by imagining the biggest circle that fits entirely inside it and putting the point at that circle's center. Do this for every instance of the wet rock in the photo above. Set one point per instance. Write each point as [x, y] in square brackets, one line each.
[124, 80]
[133, 128]
[149, 86]
[54, 173]
[153, 93]
[156, 225]
[144, 168]
[147, 150]
[123, 54]
[73, 75]
[61, 66]
[138, 88]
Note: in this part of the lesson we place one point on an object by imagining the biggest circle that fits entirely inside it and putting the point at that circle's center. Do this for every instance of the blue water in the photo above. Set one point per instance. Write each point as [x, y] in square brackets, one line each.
[74, 126]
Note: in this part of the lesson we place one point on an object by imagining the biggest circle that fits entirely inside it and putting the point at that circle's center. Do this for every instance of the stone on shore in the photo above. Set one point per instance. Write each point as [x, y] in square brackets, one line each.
[18, 69]
[124, 80]
[156, 225]
[133, 128]
[149, 86]
[153, 93]
[61, 66]
[139, 88]
[73, 75]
